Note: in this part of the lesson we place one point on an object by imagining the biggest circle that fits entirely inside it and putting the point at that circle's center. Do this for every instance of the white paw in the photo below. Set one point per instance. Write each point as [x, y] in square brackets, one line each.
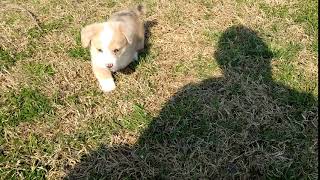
[107, 85]
[135, 56]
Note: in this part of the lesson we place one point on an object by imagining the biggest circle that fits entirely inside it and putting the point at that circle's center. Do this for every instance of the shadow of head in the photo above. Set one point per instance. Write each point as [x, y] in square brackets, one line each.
[222, 128]
[143, 53]
[241, 50]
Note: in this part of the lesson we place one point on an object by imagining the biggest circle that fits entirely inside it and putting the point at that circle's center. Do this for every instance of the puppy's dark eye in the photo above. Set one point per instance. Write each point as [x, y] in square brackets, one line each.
[100, 50]
[115, 51]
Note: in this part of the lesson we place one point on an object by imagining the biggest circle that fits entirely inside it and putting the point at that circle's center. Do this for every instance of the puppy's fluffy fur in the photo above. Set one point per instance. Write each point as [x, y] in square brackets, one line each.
[114, 44]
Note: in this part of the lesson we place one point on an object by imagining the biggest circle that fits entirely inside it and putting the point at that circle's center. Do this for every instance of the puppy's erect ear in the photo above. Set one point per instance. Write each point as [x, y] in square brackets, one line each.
[127, 31]
[88, 32]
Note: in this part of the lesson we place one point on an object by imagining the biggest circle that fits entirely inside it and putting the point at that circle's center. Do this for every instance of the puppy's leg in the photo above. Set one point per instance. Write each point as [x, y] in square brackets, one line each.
[135, 56]
[141, 43]
[105, 79]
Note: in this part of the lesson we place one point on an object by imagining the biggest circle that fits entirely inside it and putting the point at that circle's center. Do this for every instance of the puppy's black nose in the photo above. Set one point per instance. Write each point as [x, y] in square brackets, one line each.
[109, 65]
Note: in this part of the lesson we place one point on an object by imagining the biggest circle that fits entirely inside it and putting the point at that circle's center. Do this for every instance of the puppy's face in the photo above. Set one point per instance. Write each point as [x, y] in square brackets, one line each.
[108, 43]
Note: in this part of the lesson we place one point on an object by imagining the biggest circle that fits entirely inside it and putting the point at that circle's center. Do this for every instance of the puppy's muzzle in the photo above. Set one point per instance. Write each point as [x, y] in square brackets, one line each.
[109, 65]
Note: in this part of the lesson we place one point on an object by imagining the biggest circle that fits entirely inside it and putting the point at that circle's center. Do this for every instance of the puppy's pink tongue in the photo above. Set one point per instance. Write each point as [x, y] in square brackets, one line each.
[109, 65]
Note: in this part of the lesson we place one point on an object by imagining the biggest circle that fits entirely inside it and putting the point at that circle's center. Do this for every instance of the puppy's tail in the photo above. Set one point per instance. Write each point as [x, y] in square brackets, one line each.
[140, 10]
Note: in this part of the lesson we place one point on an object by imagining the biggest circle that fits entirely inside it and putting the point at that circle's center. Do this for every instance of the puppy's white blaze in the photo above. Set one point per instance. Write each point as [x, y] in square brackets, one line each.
[107, 85]
[101, 59]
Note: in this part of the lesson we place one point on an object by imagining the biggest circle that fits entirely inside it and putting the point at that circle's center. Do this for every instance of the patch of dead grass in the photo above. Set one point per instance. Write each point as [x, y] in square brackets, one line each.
[177, 38]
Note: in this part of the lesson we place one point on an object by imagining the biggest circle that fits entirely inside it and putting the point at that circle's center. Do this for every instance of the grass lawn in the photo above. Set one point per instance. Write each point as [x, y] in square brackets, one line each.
[224, 89]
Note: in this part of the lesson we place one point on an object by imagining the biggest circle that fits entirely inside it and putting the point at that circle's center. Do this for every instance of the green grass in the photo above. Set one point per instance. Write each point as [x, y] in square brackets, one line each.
[137, 119]
[175, 15]
[212, 36]
[224, 90]
[111, 3]
[55, 25]
[79, 52]
[288, 52]
[278, 11]
[9, 59]
[24, 105]
[206, 67]
[207, 3]
[40, 70]
[27, 168]
[306, 13]
[6, 59]
[308, 16]
[149, 4]
[287, 72]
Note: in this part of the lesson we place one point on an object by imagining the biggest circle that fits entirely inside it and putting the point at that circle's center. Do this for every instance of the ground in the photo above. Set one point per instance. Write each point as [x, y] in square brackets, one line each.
[224, 89]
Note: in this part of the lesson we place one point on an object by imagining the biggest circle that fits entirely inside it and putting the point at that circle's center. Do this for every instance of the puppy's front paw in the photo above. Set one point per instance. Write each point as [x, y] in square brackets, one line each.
[107, 85]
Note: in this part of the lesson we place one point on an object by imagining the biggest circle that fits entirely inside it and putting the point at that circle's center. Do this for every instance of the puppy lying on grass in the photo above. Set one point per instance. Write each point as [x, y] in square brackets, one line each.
[114, 44]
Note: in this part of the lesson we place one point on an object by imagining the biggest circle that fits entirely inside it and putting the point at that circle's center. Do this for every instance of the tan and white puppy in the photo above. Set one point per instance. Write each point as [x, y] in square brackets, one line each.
[114, 44]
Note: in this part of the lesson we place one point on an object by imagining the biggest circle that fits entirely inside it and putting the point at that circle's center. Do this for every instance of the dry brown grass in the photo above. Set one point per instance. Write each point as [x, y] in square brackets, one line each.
[82, 121]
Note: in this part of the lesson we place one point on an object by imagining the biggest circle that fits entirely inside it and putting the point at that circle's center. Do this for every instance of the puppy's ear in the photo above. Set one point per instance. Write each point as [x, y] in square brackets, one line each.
[88, 32]
[127, 31]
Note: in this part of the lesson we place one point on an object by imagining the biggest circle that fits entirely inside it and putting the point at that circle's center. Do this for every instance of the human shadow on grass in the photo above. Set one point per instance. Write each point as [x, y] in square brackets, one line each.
[144, 52]
[242, 125]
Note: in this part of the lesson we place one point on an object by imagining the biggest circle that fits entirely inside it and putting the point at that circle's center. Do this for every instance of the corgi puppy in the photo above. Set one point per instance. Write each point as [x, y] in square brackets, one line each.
[114, 44]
